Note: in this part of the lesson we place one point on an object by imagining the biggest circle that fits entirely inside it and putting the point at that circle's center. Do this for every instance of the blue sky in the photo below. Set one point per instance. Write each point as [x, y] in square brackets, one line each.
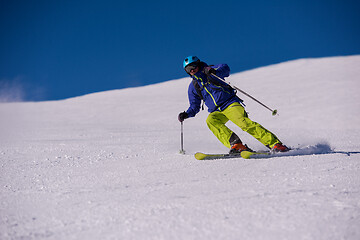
[52, 50]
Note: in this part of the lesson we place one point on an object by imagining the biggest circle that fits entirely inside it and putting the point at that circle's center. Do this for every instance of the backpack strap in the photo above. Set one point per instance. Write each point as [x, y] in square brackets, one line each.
[198, 91]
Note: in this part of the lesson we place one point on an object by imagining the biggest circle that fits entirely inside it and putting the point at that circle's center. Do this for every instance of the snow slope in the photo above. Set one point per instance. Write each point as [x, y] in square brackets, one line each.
[106, 165]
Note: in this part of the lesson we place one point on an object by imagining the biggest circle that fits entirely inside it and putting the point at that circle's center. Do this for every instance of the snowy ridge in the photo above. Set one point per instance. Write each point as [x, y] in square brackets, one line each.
[106, 165]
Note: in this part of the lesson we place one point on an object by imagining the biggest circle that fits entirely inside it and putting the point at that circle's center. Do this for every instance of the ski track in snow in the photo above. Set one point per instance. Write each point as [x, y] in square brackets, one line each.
[106, 165]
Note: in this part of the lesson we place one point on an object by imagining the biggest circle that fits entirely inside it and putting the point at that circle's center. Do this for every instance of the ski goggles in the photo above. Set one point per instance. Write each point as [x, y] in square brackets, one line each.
[191, 67]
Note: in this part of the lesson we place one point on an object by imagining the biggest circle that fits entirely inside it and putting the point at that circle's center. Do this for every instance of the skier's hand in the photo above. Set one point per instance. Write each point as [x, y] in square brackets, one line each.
[182, 116]
[209, 70]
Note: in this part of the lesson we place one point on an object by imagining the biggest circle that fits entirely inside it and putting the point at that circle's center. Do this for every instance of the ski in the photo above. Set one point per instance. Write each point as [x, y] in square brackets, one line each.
[243, 154]
[303, 151]
[249, 155]
[205, 156]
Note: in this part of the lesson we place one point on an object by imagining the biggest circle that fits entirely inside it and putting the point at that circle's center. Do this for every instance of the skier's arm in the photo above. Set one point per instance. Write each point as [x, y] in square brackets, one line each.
[222, 70]
[194, 100]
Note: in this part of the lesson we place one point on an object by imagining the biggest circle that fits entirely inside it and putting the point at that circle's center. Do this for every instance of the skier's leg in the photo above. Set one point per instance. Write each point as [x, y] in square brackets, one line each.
[236, 113]
[216, 123]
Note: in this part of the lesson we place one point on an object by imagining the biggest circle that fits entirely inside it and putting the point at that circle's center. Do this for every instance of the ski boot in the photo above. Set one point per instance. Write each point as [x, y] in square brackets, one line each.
[237, 148]
[279, 148]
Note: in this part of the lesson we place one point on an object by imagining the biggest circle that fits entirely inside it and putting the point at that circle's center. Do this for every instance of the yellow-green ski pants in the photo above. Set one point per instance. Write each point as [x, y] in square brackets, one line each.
[236, 113]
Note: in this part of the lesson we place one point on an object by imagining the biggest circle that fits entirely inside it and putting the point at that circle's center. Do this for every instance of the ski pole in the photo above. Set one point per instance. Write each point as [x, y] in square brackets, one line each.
[182, 151]
[274, 112]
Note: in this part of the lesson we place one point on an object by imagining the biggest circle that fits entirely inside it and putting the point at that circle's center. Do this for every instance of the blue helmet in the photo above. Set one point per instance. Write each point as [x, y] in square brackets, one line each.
[190, 59]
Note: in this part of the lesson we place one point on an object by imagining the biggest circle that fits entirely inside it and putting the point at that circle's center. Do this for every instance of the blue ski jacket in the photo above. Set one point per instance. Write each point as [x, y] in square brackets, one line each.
[217, 95]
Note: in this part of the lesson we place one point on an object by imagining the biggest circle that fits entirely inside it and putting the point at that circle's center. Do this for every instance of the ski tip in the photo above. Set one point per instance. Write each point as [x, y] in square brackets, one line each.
[246, 154]
[200, 156]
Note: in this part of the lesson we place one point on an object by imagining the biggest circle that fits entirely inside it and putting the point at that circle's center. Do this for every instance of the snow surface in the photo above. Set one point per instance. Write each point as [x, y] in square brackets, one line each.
[107, 165]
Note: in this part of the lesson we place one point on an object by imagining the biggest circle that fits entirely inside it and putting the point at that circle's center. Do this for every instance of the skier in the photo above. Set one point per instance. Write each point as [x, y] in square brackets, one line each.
[223, 105]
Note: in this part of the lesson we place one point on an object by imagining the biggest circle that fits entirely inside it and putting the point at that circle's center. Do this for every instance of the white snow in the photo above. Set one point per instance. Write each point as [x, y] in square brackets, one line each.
[106, 165]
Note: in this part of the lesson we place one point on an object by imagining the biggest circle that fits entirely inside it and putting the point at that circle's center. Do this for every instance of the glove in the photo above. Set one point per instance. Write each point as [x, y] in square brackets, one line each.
[182, 116]
[209, 70]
